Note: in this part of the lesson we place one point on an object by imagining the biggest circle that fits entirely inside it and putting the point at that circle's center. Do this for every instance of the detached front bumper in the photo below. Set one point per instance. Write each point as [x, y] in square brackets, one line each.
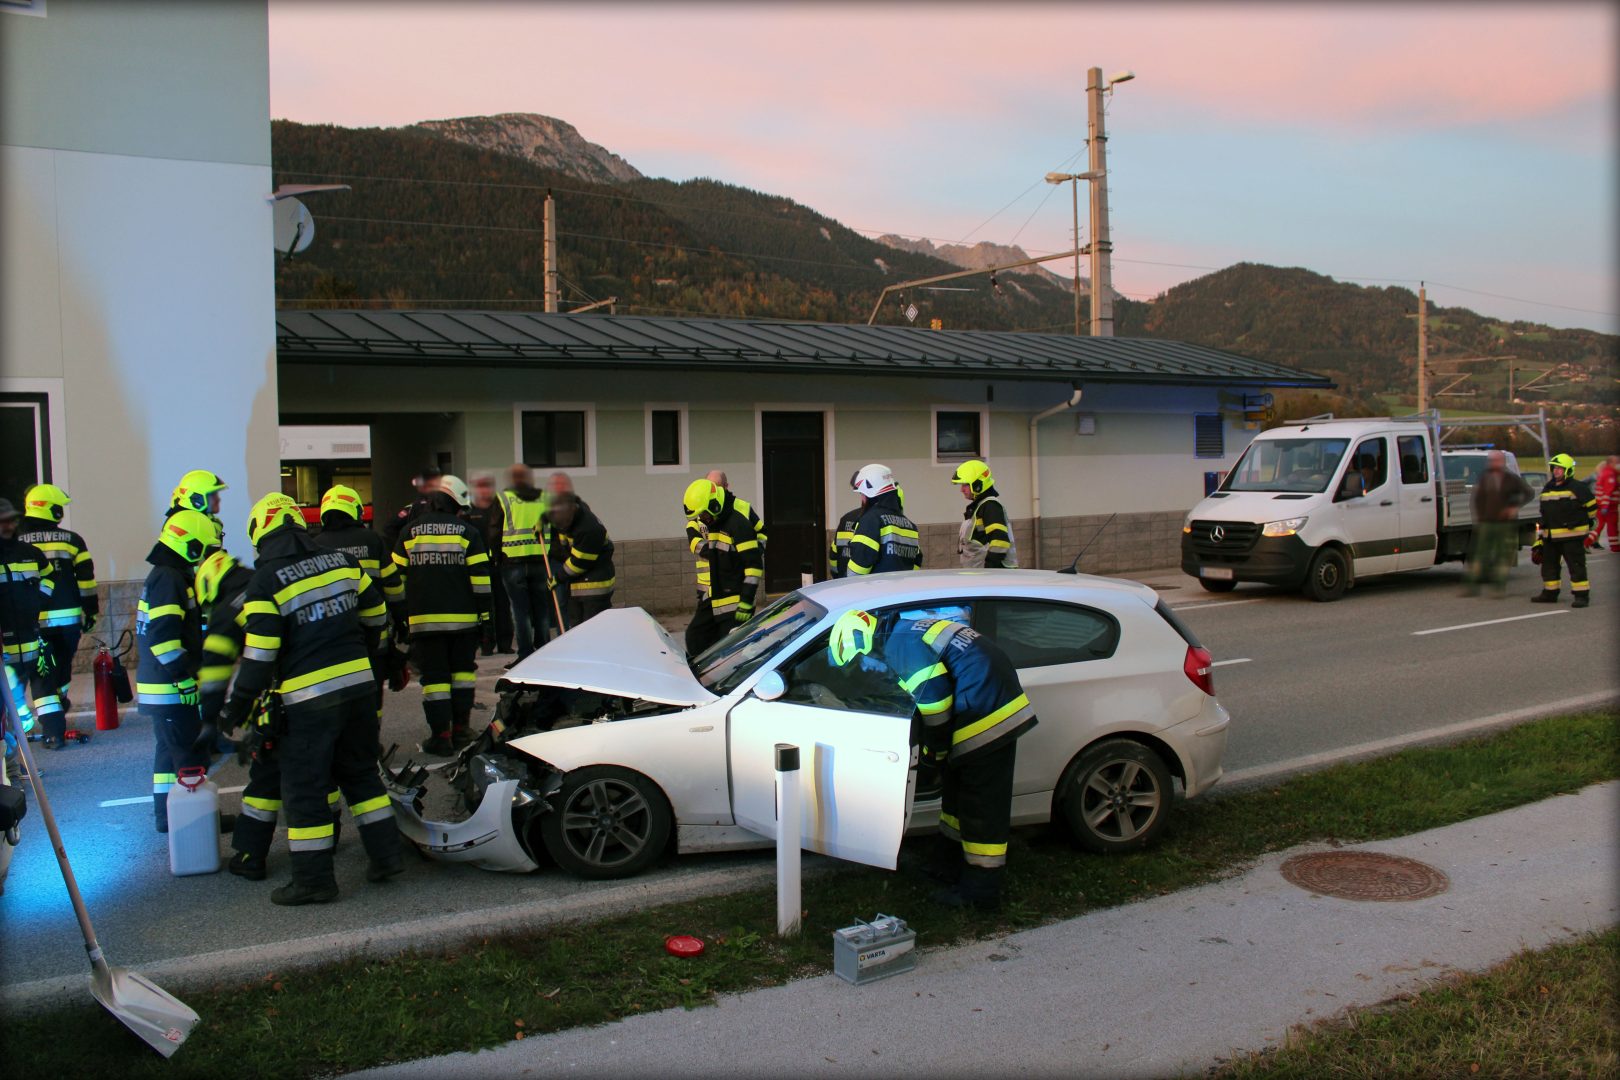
[1270, 560]
[488, 839]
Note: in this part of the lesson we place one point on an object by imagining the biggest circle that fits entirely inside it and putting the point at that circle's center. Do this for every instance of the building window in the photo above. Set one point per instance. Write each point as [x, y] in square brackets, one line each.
[25, 443]
[958, 435]
[1209, 435]
[552, 439]
[666, 433]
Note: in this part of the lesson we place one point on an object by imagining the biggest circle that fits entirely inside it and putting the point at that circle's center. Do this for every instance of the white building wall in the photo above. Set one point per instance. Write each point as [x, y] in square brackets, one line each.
[138, 282]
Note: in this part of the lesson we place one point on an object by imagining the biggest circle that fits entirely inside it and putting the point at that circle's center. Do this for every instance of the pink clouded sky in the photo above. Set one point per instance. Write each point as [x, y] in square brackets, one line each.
[1472, 144]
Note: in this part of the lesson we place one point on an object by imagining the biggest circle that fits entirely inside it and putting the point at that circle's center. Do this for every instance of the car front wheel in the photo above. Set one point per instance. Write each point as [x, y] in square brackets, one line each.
[1217, 585]
[1117, 797]
[607, 822]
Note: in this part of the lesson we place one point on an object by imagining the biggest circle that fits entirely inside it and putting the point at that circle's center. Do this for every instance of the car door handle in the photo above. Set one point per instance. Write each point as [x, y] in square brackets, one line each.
[890, 754]
[1386, 502]
[1427, 498]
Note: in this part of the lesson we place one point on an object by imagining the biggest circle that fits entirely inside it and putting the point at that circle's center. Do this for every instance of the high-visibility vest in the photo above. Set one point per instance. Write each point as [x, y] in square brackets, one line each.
[520, 535]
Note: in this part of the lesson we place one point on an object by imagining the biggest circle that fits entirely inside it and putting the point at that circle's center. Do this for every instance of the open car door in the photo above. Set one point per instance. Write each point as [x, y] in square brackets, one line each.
[854, 766]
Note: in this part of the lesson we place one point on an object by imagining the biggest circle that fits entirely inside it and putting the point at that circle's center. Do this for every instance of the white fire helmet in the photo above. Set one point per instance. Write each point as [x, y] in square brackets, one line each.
[873, 480]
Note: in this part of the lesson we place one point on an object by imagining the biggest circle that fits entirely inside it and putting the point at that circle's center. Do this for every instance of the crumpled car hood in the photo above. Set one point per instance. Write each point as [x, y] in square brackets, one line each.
[622, 651]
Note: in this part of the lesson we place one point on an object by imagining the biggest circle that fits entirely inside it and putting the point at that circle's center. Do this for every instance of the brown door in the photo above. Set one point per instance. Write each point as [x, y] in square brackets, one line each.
[794, 445]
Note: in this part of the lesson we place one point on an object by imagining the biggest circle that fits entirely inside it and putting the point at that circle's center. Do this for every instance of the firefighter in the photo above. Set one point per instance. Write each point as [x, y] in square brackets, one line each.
[972, 709]
[523, 560]
[719, 479]
[695, 535]
[1568, 509]
[27, 585]
[986, 538]
[341, 530]
[169, 637]
[73, 607]
[838, 552]
[314, 623]
[584, 554]
[425, 483]
[221, 586]
[199, 490]
[446, 570]
[736, 565]
[884, 538]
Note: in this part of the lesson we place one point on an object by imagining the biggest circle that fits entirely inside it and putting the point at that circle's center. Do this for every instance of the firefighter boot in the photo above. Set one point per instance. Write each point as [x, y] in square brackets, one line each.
[944, 863]
[1545, 596]
[297, 893]
[1581, 600]
[378, 870]
[979, 889]
[247, 865]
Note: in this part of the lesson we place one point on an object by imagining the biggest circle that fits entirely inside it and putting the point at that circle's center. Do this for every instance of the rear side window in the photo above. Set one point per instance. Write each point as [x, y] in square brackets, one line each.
[1414, 459]
[1042, 633]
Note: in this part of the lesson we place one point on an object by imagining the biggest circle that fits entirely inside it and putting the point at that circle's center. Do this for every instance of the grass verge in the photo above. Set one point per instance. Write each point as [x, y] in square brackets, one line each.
[1547, 1012]
[361, 1012]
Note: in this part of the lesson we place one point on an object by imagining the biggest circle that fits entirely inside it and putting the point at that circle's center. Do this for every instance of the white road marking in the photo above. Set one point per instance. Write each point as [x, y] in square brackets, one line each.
[1218, 603]
[1240, 660]
[1256, 773]
[1489, 622]
[148, 798]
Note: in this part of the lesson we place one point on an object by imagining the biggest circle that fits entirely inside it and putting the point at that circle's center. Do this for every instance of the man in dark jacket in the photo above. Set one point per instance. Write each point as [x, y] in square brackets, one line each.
[583, 554]
[169, 639]
[489, 516]
[73, 607]
[736, 566]
[425, 482]
[1498, 494]
[315, 625]
[342, 530]
[446, 570]
[26, 586]
[986, 538]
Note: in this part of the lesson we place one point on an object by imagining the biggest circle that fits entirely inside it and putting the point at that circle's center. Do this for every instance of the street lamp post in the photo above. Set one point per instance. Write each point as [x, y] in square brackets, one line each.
[1100, 247]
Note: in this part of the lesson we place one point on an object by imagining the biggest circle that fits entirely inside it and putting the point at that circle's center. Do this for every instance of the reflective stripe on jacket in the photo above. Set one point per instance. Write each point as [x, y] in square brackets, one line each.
[586, 553]
[965, 688]
[74, 572]
[311, 620]
[986, 536]
[168, 630]
[884, 539]
[27, 582]
[736, 562]
[446, 571]
[370, 551]
[1568, 509]
[838, 552]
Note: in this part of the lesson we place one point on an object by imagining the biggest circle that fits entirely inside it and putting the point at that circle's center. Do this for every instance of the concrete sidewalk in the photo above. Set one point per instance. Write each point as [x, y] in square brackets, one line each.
[1152, 989]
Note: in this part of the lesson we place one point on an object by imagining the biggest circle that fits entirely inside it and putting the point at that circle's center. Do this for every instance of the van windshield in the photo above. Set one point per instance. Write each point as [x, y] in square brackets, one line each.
[1297, 465]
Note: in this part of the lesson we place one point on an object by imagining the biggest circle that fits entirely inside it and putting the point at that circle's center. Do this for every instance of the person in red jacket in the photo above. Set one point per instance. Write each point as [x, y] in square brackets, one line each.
[1608, 501]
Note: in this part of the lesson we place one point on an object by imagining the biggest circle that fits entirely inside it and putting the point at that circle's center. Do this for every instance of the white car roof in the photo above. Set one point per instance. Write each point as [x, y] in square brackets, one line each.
[897, 588]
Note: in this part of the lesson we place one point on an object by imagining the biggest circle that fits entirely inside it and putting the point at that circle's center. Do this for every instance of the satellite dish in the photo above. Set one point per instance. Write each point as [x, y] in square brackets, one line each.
[293, 225]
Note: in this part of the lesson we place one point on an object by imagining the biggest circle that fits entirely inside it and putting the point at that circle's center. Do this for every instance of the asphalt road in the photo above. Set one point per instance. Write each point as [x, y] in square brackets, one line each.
[1393, 659]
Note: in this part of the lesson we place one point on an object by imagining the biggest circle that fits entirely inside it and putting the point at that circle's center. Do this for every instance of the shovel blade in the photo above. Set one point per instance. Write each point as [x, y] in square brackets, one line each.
[148, 1010]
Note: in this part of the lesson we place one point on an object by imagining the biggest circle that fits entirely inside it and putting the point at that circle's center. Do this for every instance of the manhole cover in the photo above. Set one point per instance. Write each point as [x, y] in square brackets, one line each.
[1364, 875]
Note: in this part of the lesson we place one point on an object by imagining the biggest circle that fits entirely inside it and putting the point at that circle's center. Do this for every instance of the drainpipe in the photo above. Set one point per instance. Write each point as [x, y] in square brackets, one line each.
[1035, 466]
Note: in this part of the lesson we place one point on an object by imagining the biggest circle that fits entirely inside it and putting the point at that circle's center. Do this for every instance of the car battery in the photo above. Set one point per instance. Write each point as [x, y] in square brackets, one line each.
[874, 950]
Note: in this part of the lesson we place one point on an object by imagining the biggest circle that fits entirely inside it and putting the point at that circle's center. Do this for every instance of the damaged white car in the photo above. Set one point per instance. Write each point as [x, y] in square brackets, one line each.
[608, 744]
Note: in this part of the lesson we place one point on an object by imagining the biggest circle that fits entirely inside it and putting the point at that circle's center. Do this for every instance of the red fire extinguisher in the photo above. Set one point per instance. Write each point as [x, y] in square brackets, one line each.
[106, 697]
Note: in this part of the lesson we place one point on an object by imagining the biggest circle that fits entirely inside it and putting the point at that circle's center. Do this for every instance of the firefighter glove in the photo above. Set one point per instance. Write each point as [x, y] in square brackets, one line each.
[1591, 539]
[1535, 553]
[187, 688]
[399, 672]
[203, 744]
[89, 622]
[44, 663]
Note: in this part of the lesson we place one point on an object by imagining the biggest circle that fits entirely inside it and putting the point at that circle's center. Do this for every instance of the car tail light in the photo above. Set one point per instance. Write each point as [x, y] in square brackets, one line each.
[1200, 668]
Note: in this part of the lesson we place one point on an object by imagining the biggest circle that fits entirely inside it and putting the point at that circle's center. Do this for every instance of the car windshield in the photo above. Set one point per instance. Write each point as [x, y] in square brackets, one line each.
[1297, 465]
[723, 666]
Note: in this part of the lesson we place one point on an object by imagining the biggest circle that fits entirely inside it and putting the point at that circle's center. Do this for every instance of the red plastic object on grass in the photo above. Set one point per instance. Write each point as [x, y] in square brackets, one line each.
[106, 697]
[683, 945]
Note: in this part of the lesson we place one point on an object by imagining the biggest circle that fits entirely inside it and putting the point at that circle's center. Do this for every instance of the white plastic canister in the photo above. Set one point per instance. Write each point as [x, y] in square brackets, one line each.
[193, 823]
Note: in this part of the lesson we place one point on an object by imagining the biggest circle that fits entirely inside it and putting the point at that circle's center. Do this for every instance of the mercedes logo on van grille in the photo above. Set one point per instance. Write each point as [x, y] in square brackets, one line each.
[1217, 534]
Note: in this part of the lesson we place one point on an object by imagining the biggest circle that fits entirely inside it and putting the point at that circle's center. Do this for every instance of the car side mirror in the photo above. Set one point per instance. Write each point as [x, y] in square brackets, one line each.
[770, 687]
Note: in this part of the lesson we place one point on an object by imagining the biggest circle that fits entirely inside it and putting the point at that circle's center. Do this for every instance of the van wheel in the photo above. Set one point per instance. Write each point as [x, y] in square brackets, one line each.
[1211, 585]
[1117, 797]
[1328, 576]
[606, 822]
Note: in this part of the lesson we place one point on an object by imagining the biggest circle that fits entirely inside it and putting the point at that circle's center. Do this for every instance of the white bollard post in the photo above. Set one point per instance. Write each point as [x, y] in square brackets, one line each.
[787, 840]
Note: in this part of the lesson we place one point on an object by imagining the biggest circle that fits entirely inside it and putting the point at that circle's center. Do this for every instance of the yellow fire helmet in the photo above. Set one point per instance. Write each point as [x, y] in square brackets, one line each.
[703, 497]
[272, 512]
[342, 499]
[211, 573]
[188, 534]
[1563, 461]
[194, 489]
[852, 635]
[45, 501]
[975, 474]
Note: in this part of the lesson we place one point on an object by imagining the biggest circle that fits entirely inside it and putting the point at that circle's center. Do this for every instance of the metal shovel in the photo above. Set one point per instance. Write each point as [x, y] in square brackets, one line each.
[145, 1008]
